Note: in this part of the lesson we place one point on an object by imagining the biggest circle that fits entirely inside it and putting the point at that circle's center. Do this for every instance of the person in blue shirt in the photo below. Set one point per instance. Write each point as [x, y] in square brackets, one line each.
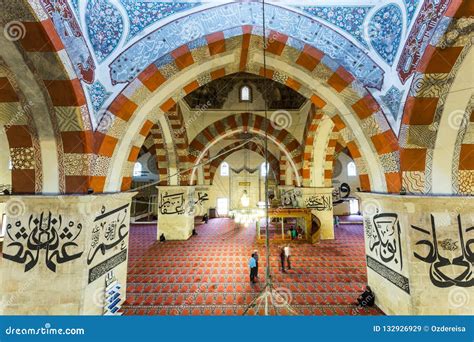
[253, 268]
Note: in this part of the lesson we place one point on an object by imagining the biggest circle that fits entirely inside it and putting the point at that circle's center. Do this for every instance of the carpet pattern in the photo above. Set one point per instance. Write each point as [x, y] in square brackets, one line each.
[208, 274]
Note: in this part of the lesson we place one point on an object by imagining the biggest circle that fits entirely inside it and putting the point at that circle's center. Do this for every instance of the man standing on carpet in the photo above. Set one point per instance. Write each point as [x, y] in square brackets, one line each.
[287, 255]
[255, 256]
[253, 267]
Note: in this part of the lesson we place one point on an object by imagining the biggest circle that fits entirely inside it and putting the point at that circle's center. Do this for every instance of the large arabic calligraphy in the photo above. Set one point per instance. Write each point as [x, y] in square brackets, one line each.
[46, 235]
[172, 204]
[320, 202]
[384, 239]
[449, 267]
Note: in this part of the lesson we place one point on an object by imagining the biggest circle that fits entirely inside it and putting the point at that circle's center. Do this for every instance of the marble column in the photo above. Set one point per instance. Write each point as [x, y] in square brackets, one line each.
[175, 212]
[419, 252]
[60, 253]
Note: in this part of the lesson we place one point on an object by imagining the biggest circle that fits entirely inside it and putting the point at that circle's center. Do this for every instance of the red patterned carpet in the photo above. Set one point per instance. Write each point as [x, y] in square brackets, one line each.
[208, 274]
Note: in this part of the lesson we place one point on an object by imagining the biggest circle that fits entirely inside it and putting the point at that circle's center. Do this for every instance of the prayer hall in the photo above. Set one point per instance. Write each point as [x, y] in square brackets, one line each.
[208, 158]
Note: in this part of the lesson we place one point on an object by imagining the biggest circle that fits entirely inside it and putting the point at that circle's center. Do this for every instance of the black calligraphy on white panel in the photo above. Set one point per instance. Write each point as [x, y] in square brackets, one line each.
[110, 230]
[319, 202]
[171, 204]
[384, 239]
[449, 266]
[43, 235]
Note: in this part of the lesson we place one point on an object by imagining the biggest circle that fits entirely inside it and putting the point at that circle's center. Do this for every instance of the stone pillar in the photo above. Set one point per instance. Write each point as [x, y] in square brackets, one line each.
[319, 200]
[60, 253]
[175, 212]
[419, 252]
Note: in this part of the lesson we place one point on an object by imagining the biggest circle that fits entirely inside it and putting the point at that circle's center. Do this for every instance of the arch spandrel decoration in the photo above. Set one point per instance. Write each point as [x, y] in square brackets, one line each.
[431, 122]
[81, 146]
[64, 137]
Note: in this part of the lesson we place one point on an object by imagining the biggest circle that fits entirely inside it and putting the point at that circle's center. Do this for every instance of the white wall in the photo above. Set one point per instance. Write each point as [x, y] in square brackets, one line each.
[147, 174]
[353, 181]
[222, 184]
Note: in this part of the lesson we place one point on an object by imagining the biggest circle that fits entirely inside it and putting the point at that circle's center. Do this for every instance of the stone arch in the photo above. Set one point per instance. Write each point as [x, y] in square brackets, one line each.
[251, 146]
[244, 122]
[64, 142]
[360, 111]
[433, 157]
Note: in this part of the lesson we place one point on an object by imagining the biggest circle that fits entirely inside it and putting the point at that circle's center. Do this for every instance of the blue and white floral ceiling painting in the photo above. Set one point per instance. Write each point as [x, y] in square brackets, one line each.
[105, 22]
[385, 31]
[113, 26]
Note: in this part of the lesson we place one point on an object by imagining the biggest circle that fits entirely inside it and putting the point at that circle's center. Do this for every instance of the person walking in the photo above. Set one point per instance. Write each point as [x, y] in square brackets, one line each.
[287, 255]
[253, 267]
[282, 259]
[255, 256]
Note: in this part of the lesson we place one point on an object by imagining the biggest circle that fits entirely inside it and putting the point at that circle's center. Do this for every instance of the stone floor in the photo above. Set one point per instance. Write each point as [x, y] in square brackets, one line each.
[208, 274]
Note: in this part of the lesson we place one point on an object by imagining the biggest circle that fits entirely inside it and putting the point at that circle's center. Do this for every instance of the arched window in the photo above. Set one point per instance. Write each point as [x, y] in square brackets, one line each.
[351, 169]
[224, 169]
[245, 94]
[264, 169]
[137, 169]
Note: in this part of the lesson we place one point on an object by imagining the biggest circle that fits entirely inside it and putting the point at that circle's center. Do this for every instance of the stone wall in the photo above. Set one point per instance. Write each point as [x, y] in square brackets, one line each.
[61, 252]
[420, 253]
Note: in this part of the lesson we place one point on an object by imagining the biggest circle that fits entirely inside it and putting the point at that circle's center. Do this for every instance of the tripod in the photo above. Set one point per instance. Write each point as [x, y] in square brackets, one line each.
[271, 301]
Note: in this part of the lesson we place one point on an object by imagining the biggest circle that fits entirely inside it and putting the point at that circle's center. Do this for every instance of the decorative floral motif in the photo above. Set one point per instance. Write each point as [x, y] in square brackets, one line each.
[410, 6]
[220, 18]
[422, 30]
[385, 29]
[392, 100]
[104, 26]
[144, 13]
[350, 19]
[22, 158]
[98, 95]
[75, 6]
[70, 32]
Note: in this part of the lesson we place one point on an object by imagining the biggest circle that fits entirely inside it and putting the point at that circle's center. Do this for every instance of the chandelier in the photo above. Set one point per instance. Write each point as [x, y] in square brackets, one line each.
[245, 215]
